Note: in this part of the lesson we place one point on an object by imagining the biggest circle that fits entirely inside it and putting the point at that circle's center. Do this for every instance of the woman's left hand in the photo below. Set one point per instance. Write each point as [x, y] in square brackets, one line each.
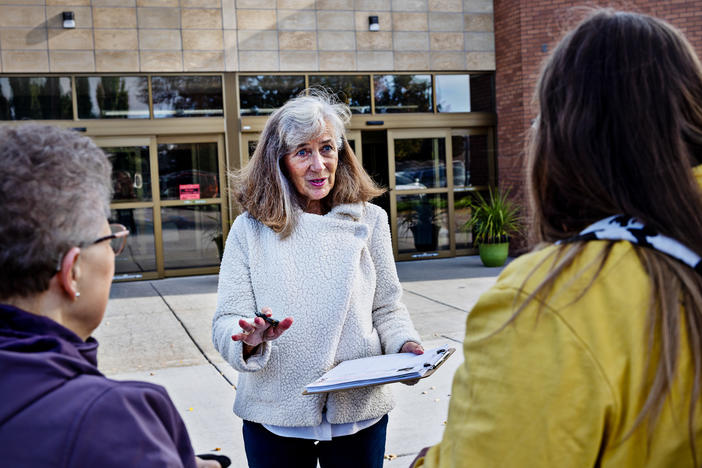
[412, 347]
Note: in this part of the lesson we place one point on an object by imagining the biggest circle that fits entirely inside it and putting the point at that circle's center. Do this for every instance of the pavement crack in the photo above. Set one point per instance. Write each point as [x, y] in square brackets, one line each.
[452, 339]
[192, 338]
[434, 300]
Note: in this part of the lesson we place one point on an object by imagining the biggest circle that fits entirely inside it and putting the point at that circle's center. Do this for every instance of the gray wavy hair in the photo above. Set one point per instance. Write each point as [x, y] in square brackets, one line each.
[55, 190]
[262, 188]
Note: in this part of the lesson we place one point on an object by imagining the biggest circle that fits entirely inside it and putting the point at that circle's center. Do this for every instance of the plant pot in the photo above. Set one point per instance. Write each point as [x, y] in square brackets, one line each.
[493, 255]
[426, 237]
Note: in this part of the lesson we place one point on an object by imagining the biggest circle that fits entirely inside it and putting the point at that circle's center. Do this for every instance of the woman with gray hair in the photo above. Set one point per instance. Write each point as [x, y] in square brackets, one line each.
[57, 257]
[310, 248]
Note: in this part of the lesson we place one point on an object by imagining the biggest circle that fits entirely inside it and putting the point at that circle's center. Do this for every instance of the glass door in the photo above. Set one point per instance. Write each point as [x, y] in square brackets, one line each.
[192, 209]
[421, 175]
[473, 171]
[168, 193]
[135, 182]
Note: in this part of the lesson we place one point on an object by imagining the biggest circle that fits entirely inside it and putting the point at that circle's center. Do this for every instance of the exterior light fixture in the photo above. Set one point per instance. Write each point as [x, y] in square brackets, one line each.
[373, 24]
[69, 21]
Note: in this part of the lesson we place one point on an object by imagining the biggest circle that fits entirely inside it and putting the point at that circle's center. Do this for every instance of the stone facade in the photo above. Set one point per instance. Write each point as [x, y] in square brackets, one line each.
[127, 36]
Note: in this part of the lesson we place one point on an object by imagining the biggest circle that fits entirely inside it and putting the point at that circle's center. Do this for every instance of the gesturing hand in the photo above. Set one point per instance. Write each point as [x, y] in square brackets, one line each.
[256, 332]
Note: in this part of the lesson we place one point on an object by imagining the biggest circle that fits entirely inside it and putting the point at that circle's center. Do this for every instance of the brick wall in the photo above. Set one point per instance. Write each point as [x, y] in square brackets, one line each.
[525, 32]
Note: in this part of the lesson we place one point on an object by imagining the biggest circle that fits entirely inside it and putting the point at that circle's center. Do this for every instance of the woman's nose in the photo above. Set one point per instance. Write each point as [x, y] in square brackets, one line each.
[317, 161]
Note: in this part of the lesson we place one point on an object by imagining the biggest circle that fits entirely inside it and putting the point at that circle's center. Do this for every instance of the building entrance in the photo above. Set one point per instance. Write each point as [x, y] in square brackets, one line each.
[168, 193]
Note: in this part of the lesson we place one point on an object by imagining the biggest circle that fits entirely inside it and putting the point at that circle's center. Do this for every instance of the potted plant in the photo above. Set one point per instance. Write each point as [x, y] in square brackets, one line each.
[493, 220]
[421, 218]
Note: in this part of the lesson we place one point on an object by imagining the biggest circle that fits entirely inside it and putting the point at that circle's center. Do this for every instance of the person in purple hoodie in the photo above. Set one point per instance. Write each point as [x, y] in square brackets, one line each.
[56, 266]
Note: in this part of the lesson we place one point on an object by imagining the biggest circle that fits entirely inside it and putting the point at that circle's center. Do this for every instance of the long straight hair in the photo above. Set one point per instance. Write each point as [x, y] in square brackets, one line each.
[619, 128]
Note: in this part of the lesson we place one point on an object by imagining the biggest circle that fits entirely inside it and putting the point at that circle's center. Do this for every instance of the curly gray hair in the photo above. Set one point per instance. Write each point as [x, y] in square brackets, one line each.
[54, 191]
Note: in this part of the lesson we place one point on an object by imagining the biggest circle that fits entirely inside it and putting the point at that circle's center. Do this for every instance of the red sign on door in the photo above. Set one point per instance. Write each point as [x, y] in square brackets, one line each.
[190, 192]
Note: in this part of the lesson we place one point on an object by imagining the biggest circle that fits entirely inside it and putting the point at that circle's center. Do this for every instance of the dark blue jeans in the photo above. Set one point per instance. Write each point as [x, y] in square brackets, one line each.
[365, 448]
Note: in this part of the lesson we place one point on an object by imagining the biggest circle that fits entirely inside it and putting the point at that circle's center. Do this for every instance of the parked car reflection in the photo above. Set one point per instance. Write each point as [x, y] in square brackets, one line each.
[208, 183]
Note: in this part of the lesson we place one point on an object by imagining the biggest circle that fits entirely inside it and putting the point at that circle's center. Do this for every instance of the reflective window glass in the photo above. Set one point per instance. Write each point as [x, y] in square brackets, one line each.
[187, 96]
[139, 254]
[460, 145]
[462, 211]
[262, 94]
[475, 159]
[192, 236]
[354, 90]
[131, 173]
[188, 171]
[35, 98]
[402, 93]
[112, 97]
[464, 93]
[452, 93]
[422, 223]
[482, 93]
[420, 163]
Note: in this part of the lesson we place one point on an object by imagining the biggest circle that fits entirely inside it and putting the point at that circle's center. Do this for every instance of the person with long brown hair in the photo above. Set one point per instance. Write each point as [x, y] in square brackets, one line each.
[309, 247]
[588, 351]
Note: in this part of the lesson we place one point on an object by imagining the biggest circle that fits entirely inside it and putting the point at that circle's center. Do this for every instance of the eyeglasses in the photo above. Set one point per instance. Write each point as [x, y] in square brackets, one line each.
[118, 238]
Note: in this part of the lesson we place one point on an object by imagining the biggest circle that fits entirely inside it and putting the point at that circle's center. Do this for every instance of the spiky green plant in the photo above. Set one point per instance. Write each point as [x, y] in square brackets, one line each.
[493, 219]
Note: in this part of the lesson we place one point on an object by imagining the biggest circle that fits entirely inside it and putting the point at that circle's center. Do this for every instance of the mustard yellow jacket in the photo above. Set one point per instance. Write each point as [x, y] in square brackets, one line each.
[563, 387]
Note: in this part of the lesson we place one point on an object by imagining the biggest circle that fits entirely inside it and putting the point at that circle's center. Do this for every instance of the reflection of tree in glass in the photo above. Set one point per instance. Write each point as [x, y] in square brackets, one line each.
[262, 94]
[111, 95]
[354, 90]
[402, 93]
[85, 106]
[175, 96]
[38, 98]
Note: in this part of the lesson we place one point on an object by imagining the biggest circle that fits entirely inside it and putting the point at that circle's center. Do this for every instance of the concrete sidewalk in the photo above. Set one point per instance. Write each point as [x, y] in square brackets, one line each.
[159, 331]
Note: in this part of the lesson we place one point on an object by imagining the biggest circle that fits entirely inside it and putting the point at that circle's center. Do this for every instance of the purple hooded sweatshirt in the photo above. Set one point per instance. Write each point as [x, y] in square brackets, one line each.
[58, 410]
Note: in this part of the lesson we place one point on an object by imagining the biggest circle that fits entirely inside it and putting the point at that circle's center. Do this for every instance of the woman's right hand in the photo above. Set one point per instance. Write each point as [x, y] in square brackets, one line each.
[256, 332]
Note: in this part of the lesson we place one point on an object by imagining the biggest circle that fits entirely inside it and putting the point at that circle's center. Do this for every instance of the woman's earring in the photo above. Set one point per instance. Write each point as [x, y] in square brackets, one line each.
[77, 294]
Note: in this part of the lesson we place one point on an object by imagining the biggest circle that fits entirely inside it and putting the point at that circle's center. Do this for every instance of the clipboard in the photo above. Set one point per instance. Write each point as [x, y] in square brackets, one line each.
[380, 370]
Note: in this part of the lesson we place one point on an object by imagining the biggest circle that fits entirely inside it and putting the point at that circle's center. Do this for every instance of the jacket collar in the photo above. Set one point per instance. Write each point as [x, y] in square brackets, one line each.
[35, 331]
[347, 210]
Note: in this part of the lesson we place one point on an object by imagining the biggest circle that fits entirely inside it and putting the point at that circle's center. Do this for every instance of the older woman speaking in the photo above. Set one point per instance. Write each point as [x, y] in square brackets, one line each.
[57, 259]
[309, 248]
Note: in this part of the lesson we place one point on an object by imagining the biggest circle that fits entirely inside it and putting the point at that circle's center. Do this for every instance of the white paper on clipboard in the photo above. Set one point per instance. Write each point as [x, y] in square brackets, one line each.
[378, 370]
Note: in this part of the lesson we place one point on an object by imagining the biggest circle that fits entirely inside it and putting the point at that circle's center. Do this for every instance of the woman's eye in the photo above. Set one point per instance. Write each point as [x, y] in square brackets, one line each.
[327, 148]
[302, 152]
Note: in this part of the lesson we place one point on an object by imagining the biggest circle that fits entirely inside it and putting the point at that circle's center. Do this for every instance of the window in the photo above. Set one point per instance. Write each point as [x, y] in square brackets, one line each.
[263, 94]
[35, 98]
[187, 96]
[402, 93]
[464, 93]
[112, 97]
[188, 171]
[354, 90]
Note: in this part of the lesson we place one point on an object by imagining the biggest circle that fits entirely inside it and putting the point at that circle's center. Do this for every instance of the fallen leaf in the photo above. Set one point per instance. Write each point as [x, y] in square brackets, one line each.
[390, 456]
[190, 409]
[218, 449]
[432, 388]
[424, 392]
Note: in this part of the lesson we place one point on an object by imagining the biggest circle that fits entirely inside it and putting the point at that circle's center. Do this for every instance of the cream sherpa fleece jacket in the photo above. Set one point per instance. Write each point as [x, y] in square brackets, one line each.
[336, 277]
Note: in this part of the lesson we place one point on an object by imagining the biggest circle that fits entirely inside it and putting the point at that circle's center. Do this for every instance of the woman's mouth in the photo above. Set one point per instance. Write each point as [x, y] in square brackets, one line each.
[317, 182]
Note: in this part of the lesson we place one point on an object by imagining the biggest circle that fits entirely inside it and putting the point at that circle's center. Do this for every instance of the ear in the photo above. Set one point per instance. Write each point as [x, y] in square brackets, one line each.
[69, 273]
